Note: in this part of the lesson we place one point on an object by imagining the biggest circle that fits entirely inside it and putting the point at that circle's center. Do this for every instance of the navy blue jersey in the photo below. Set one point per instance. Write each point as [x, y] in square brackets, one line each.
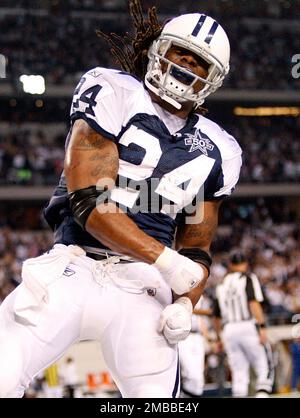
[164, 172]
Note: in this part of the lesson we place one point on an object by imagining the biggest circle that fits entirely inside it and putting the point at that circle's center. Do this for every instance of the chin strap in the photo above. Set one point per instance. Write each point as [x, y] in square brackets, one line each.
[162, 95]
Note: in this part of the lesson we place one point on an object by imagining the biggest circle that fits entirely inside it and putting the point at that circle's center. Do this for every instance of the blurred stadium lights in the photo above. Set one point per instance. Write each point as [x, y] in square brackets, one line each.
[267, 111]
[33, 84]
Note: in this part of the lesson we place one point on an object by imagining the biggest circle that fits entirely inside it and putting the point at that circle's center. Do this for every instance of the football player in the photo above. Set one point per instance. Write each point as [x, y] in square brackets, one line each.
[133, 215]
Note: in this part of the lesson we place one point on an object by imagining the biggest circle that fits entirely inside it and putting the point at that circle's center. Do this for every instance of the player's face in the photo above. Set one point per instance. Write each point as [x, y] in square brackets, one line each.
[189, 60]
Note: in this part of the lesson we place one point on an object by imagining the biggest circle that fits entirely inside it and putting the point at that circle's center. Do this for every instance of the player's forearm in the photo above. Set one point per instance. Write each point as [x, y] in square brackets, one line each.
[117, 231]
[217, 324]
[92, 160]
[199, 235]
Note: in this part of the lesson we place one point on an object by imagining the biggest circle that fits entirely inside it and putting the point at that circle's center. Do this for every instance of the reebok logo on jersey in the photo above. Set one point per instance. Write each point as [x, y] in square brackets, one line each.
[198, 141]
[68, 272]
[95, 73]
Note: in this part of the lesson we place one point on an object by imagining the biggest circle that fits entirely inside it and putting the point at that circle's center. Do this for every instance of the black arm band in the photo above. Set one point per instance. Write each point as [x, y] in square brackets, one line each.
[197, 255]
[83, 201]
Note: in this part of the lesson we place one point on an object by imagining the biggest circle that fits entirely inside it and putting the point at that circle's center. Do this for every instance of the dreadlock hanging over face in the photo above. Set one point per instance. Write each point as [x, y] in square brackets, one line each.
[131, 52]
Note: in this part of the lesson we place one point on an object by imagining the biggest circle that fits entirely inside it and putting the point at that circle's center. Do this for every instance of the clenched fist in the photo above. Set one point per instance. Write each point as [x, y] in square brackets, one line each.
[176, 320]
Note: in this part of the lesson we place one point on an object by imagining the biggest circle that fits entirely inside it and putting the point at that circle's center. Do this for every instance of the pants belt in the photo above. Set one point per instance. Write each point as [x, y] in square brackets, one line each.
[99, 257]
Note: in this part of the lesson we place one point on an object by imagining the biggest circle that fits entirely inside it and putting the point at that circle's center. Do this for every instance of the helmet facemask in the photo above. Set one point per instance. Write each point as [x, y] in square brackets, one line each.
[174, 83]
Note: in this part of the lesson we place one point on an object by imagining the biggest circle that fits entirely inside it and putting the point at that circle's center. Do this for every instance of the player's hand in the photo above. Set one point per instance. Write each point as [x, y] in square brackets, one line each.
[176, 320]
[263, 337]
[179, 272]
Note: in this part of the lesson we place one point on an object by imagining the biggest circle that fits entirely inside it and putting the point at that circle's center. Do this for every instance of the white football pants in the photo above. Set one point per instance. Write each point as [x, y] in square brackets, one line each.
[192, 356]
[243, 349]
[91, 300]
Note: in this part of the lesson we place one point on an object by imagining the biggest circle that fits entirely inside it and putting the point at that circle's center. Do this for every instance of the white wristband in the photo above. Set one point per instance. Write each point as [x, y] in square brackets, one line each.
[178, 271]
[164, 260]
[186, 303]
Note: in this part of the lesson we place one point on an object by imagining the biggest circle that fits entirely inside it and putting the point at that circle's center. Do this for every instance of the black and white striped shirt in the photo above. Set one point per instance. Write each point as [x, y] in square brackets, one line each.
[233, 297]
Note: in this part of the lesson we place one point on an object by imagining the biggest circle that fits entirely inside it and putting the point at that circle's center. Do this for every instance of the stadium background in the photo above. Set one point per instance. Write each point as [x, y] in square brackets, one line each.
[259, 105]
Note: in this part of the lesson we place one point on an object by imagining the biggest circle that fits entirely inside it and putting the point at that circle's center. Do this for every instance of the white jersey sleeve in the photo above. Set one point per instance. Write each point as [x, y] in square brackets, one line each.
[230, 173]
[231, 164]
[228, 156]
[99, 102]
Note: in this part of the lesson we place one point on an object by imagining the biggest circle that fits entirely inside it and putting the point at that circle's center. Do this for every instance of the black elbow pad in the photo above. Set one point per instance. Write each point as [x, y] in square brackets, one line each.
[197, 255]
[83, 201]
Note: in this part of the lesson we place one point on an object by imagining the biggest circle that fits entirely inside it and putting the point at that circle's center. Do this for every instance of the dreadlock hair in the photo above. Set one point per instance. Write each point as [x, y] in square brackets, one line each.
[131, 52]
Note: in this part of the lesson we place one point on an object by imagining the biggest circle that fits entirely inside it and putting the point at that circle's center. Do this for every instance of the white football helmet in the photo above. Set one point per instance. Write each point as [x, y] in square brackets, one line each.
[200, 34]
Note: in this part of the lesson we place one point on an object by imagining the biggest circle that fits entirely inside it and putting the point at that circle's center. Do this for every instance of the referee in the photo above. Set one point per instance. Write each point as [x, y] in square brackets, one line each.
[238, 309]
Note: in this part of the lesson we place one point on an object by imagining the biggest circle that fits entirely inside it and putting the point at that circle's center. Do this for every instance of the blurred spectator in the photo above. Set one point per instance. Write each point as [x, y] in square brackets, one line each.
[69, 376]
[295, 356]
[271, 148]
[15, 247]
[31, 157]
[217, 368]
[260, 65]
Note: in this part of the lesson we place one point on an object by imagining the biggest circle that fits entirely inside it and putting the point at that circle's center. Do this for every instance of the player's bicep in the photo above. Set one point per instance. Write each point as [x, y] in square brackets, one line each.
[90, 158]
[228, 178]
[199, 235]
